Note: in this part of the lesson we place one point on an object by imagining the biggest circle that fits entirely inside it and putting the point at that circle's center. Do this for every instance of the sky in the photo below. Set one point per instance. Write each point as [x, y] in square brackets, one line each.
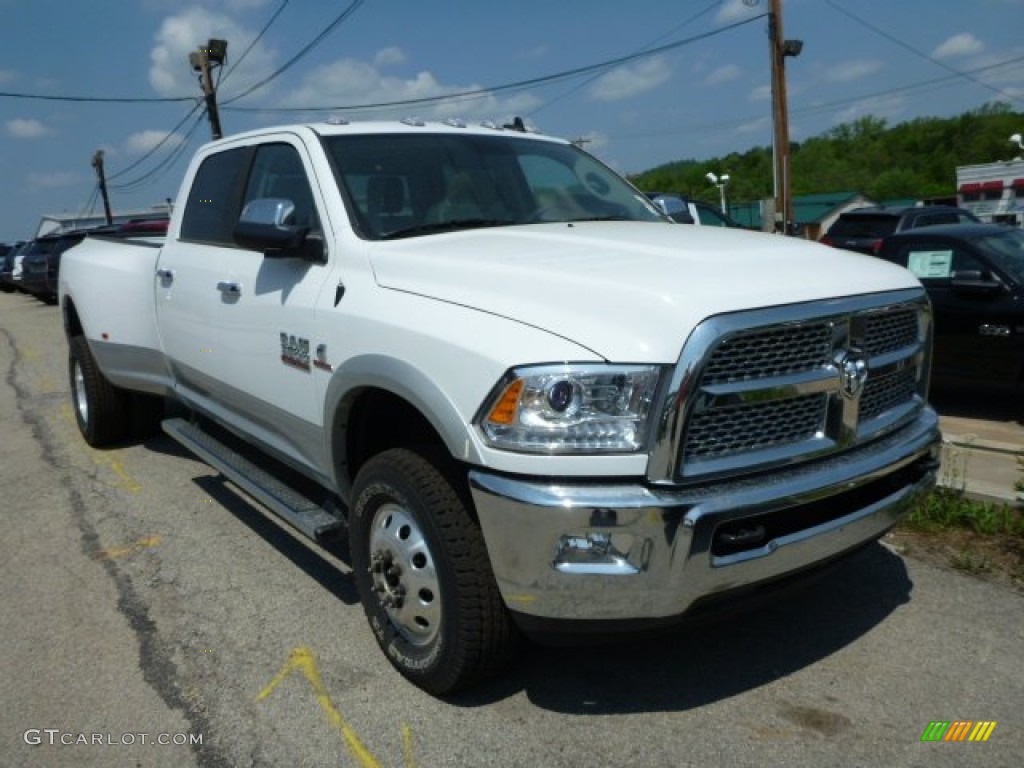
[642, 83]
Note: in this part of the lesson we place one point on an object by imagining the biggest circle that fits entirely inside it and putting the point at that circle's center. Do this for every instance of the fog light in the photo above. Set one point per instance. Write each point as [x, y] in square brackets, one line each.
[595, 553]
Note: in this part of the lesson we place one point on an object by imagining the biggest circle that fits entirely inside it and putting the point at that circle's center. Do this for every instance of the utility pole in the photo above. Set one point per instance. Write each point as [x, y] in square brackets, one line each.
[97, 163]
[780, 49]
[203, 60]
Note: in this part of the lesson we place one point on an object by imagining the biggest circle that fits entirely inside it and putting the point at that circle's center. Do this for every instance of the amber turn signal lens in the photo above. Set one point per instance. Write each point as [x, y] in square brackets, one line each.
[504, 411]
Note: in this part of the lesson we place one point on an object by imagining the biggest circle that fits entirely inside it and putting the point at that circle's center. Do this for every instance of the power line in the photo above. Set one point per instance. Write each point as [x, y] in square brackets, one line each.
[153, 174]
[95, 99]
[921, 54]
[255, 40]
[352, 8]
[518, 85]
[157, 146]
[824, 107]
[655, 41]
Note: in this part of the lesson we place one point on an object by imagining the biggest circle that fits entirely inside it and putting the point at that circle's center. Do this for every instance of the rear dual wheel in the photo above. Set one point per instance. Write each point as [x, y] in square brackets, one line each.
[106, 414]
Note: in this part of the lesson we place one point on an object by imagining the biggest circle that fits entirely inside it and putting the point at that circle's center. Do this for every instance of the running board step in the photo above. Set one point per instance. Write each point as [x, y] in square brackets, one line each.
[283, 500]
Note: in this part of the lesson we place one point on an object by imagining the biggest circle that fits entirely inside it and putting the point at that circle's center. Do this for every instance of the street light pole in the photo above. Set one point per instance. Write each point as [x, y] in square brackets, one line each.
[720, 182]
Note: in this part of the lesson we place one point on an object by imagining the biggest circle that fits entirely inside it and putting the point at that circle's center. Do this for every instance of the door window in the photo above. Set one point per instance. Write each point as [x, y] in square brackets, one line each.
[211, 210]
[277, 172]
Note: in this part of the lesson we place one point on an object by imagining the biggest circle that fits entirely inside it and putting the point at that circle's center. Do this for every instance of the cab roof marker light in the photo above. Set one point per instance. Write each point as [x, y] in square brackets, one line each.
[336, 120]
[418, 122]
[490, 124]
[455, 122]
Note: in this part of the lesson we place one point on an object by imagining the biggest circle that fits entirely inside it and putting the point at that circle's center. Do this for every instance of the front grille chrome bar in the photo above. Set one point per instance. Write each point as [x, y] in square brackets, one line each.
[777, 386]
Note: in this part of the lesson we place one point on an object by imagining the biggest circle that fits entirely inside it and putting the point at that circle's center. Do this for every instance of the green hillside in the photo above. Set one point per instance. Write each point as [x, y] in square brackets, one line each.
[916, 159]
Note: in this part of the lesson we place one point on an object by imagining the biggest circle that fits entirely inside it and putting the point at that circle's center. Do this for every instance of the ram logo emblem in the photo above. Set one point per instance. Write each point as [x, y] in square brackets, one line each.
[853, 373]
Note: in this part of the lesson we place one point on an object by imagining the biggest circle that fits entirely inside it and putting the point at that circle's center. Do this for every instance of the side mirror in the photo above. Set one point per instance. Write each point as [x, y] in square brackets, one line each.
[263, 227]
[975, 281]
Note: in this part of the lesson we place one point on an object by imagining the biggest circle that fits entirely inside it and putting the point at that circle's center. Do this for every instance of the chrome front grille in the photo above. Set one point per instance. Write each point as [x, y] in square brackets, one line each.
[718, 432]
[889, 331]
[885, 392]
[778, 386]
[770, 352]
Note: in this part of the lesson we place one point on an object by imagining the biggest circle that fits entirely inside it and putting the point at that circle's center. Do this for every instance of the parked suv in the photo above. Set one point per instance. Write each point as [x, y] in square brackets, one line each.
[864, 229]
[41, 264]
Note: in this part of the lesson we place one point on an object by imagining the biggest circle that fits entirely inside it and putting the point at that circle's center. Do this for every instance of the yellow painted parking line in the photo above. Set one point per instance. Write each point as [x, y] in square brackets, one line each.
[128, 483]
[111, 553]
[303, 661]
[410, 758]
[125, 481]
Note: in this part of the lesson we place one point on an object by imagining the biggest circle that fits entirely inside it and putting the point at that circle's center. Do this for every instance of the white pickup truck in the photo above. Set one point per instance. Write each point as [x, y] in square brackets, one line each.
[533, 403]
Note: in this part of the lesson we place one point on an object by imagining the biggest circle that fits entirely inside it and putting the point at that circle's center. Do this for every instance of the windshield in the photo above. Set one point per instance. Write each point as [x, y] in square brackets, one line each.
[864, 226]
[405, 185]
[1006, 250]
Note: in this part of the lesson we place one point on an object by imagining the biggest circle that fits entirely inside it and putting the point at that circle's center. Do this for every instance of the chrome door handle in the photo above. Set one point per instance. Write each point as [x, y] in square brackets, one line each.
[167, 275]
[229, 288]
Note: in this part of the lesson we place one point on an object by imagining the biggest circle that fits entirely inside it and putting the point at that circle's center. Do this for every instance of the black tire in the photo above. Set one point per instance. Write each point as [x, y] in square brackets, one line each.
[101, 409]
[423, 574]
[147, 411]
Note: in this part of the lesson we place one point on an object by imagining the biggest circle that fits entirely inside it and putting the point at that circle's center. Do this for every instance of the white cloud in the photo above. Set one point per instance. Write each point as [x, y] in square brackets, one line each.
[848, 71]
[143, 141]
[963, 44]
[183, 33]
[388, 56]
[537, 52]
[722, 75]
[881, 106]
[758, 125]
[628, 81]
[54, 180]
[760, 93]
[737, 10]
[348, 82]
[20, 128]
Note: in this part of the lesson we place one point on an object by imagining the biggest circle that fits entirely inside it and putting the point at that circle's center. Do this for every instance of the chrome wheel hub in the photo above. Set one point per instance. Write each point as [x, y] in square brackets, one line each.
[81, 401]
[404, 577]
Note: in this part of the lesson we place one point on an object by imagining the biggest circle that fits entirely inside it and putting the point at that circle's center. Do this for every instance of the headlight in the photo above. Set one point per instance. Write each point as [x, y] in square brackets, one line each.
[571, 409]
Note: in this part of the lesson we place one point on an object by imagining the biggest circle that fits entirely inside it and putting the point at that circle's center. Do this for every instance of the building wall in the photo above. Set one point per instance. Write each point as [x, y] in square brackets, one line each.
[993, 191]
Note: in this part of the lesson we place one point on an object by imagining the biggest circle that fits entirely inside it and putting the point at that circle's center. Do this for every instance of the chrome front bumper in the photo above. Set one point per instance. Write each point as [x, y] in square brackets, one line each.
[579, 551]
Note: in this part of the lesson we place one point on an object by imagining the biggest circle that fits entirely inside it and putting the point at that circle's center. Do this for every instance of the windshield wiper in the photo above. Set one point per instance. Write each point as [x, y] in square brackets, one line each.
[444, 226]
[616, 217]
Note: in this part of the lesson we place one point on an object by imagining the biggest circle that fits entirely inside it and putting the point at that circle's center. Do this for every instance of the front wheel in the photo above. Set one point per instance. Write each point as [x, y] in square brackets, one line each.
[423, 575]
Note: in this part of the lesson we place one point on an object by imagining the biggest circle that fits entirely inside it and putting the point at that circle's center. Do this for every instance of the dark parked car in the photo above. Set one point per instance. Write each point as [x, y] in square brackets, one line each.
[7, 281]
[974, 275]
[41, 264]
[864, 229]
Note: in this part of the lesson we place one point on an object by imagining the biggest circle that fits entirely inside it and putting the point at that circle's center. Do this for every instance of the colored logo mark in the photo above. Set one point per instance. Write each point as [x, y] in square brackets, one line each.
[958, 730]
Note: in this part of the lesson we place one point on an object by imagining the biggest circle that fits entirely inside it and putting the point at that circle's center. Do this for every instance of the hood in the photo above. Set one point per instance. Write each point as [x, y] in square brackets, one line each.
[628, 291]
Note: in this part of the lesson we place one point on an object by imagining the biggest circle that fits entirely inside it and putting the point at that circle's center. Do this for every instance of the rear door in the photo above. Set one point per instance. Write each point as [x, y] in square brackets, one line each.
[190, 266]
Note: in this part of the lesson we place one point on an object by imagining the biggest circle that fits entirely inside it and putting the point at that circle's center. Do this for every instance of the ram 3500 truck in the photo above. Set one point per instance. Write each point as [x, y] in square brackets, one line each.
[531, 402]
